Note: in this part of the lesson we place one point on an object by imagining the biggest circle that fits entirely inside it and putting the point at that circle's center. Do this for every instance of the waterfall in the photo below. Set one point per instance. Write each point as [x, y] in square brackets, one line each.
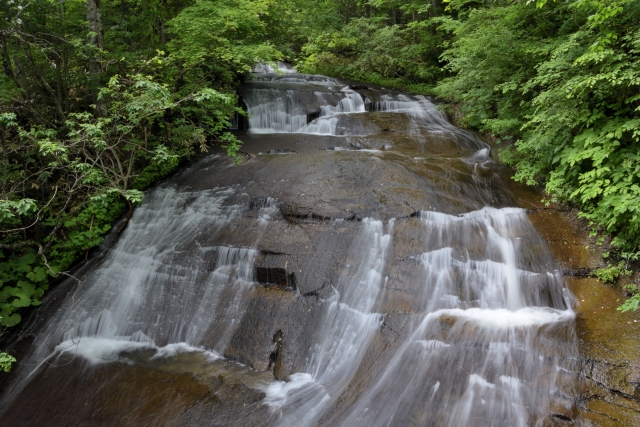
[378, 274]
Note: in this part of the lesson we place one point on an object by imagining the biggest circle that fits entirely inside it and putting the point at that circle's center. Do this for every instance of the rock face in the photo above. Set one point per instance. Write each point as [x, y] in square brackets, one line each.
[366, 265]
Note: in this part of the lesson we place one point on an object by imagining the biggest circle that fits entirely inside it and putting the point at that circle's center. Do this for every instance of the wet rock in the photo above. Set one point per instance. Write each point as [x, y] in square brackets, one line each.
[570, 246]
[609, 354]
[110, 395]
[388, 338]
[264, 202]
[562, 417]
[270, 276]
[275, 359]
[357, 145]
[281, 151]
[241, 119]
[273, 314]
[557, 420]
[325, 291]
[300, 215]
[296, 211]
[312, 116]
[578, 272]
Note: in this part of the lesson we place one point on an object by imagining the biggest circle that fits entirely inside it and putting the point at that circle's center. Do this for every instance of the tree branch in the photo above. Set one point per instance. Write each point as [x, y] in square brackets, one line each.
[27, 244]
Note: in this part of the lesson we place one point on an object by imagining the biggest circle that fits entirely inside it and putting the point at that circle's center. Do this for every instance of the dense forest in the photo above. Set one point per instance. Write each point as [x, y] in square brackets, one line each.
[99, 99]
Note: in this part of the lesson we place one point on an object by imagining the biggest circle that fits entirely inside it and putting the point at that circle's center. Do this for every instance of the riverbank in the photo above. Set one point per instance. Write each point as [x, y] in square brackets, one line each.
[608, 340]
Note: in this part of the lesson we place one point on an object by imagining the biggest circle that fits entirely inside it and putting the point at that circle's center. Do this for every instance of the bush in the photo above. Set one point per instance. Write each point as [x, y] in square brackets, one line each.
[631, 304]
[612, 273]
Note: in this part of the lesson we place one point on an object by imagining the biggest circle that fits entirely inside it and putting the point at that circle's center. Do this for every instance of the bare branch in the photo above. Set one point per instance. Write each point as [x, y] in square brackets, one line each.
[27, 244]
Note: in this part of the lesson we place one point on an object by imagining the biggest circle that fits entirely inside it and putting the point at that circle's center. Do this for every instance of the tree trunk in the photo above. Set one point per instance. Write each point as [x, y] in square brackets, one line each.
[94, 19]
[123, 11]
[55, 96]
[6, 59]
[433, 10]
[5, 153]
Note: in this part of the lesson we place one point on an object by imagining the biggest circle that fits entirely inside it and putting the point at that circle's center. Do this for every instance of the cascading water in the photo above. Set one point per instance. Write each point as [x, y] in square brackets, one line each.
[376, 275]
[480, 352]
[275, 111]
[269, 69]
[346, 330]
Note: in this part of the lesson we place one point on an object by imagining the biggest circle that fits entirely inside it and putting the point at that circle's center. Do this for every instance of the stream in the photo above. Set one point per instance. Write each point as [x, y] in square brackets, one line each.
[366, 264]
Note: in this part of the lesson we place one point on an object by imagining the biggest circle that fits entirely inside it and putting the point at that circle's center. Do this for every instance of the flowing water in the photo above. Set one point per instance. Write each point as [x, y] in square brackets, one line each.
[364, 266]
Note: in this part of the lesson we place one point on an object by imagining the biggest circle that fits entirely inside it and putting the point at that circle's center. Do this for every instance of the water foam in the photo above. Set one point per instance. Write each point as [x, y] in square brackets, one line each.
[496, 319]
[97, 350]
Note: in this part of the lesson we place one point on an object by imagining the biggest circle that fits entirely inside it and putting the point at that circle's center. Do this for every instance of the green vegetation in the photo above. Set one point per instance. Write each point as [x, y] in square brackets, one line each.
[101, 99]
[6, 361]
[558, 79]
[633, 302]
[611, 273]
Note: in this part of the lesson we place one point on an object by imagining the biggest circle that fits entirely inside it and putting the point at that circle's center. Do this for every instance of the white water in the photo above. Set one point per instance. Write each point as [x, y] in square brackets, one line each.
[280, 67]
[281, 108]
[104, 350]
[284, 110]
[272, 111]
[166, 285]
[480, 335]
[347, 328]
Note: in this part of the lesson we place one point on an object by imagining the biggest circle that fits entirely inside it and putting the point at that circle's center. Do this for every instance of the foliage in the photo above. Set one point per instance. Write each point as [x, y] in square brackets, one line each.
[560, 79]
[23, 283]
[632, 303]
[401, 51]
[100, 164]
[368, 49]
[228, 32]
[6, 361]
[611, 273]
[489, 76]
[565, 88]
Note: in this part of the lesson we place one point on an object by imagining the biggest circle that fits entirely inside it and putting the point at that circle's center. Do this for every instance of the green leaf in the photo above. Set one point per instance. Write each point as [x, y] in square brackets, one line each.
[10, 320]
[6, 360]
[37, 275]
